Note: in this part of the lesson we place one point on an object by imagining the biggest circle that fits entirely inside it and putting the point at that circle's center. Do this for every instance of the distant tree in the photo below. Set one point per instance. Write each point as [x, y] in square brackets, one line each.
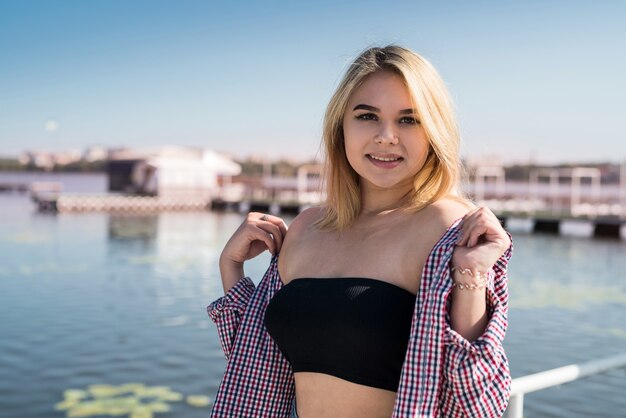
[10, 164]
[280, 168]
[284, 168]
[251, 168]
[82, 166]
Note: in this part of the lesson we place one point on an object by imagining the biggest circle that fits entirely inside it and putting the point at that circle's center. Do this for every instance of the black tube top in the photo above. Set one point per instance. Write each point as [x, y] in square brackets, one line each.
[356, 329]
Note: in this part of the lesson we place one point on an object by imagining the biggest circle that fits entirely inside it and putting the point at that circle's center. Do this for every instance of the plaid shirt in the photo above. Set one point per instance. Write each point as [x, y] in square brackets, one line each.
[444, 375]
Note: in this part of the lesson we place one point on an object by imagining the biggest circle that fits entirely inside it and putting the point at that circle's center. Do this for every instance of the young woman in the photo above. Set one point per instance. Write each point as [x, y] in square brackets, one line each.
[390, 299]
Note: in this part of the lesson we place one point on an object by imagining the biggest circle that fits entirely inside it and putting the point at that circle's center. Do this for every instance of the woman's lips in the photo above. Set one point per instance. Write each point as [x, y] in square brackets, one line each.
[379, 160]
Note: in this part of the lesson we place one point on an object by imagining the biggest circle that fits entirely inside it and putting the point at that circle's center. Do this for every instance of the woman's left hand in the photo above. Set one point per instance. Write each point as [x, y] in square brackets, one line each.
[482, 241]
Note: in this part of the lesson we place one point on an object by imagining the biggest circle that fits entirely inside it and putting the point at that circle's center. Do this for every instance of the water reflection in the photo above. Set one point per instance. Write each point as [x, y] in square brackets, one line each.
[90, 298]
[26, 237]
[542, 294]
[170, 244]
[567, 273]
[139, 228]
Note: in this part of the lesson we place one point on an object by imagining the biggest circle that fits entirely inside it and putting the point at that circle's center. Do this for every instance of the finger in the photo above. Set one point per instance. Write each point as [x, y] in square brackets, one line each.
[486, 229]
[477, 231]
[261, 235]
[466, 226]
[478, 223]
[499, 224]
[256, 233]
[274, 230]
[255, 216]
[278, 222]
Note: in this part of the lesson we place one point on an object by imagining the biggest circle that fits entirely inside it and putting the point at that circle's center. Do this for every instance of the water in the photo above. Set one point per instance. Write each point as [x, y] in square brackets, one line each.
[100, 299]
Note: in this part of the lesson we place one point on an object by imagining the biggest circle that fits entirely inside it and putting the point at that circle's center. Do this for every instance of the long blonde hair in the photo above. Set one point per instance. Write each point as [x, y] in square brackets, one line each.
[441, 173]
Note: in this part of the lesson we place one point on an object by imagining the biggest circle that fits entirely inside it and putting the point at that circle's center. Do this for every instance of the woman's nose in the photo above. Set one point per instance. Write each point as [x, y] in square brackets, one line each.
[386, 135]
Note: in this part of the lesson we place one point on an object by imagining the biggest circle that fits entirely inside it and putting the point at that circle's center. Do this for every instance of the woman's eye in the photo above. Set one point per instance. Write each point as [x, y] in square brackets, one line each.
[367, 116]
[409, 120]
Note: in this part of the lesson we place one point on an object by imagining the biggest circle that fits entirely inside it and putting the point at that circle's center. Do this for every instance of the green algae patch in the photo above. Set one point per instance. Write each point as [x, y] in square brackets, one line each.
[158, 407]
[27, 238]
[614, 332]
[142, 412]
[146, 259]
[199, 401]
[75, 394]
[537, 294]
[132, 400]
[39, 268]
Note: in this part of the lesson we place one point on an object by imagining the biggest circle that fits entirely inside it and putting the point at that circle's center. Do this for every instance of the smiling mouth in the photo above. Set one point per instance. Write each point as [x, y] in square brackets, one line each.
[384, 159]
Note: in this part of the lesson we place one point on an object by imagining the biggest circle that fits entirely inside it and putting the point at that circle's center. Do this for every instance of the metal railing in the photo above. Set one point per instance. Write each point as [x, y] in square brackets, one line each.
[555, 377]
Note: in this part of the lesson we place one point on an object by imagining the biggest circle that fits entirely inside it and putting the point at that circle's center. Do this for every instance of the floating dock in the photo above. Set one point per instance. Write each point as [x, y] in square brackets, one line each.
[119, 203]
[599, 227]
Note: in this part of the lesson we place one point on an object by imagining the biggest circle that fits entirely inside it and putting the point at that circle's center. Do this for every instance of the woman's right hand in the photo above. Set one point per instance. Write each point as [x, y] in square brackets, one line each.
[259, 232]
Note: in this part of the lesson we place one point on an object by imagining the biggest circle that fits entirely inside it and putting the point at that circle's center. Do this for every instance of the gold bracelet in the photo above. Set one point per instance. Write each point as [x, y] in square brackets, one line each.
[483, 279]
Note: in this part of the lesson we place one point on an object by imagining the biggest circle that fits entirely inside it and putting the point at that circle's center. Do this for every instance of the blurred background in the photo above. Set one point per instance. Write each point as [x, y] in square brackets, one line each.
[135, 135]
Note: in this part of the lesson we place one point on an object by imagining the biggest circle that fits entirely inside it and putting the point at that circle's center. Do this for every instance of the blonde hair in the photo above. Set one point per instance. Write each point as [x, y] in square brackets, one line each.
[441, 173]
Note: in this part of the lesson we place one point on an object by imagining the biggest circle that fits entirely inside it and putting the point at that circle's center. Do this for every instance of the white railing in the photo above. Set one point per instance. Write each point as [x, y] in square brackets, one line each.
[555, 377]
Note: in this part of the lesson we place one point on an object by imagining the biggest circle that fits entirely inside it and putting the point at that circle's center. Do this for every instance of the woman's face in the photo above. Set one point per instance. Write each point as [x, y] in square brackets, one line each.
[384, 140]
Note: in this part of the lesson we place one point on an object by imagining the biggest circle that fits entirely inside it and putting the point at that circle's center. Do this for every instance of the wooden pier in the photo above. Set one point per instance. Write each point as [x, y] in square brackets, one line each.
[120, 203]
[13, 187]
[598, 227]
[244, 206]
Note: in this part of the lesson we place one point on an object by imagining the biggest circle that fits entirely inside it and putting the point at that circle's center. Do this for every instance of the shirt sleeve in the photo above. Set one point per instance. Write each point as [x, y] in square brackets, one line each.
[477, 380]
[227, 312]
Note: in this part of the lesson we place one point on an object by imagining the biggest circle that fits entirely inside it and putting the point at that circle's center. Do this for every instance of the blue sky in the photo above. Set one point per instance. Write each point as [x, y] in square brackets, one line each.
[540, 80]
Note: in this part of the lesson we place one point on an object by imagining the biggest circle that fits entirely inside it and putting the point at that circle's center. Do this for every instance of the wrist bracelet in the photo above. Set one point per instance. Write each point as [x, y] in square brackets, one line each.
[482, 279]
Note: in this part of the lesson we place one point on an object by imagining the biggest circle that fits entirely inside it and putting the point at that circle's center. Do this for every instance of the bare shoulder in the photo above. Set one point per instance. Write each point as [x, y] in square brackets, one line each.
[448, 210]
[301, 225]
[437, 217]
[297, 237]
[305, 220]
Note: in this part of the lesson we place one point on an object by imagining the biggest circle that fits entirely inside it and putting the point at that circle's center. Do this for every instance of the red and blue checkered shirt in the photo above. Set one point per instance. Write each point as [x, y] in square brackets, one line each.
[443, 375]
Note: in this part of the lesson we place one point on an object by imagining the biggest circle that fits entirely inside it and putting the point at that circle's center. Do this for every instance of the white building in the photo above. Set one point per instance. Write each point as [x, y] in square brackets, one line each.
[169, 170]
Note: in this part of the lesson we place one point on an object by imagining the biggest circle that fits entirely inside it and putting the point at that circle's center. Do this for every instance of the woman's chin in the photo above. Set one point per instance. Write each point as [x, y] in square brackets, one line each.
[378, 184]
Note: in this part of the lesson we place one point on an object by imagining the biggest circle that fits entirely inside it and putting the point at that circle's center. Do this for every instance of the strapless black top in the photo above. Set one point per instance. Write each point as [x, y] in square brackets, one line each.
[356, 329]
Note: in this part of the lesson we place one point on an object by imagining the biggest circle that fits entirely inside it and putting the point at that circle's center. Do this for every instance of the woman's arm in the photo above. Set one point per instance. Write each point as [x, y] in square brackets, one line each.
[256, 234]
[259, 232]
[227, 312]
[468, 311]
[476, 373]
[482, 242]
[477, 380]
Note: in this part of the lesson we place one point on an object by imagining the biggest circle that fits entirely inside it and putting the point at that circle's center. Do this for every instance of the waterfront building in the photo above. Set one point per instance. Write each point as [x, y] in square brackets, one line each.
[168, 170]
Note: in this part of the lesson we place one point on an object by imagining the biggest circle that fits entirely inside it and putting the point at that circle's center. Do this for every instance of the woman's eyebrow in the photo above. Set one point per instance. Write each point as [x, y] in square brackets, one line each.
[375, 109]
[366, 107]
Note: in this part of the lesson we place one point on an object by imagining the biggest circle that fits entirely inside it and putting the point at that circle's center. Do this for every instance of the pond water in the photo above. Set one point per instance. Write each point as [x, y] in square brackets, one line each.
[99, 299]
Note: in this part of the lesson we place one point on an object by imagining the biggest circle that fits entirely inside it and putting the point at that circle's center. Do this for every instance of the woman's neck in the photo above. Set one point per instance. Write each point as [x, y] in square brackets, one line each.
[379, 202]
